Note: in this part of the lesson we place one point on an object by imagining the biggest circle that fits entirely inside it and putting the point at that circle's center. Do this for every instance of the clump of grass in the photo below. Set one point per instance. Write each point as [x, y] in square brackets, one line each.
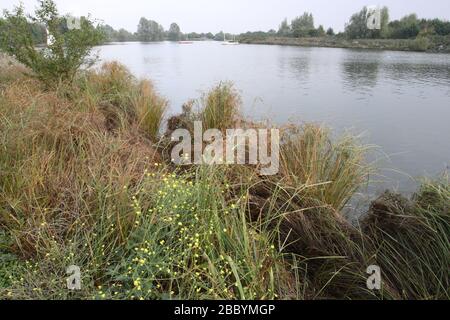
[150, 108]
[124, 100]
[317, 178]
[220, 107]
[332, 171]
[412, 240]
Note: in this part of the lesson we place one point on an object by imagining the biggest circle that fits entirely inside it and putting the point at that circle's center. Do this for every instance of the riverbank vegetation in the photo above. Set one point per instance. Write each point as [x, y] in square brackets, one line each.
[407, 34]
[84, 183]
[86, 179]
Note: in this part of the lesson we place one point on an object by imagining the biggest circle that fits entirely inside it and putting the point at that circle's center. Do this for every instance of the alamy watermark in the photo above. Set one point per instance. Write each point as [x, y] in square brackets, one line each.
[374, 280]
[373, 17]
[238, 146]
[72, 23]
[74, 280]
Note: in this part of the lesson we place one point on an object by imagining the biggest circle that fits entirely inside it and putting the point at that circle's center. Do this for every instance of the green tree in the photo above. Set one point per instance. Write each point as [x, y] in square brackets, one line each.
[149, 30]
[59, 60]
[219, 36]
[440, 27]
[320, 31]
[406, 27]
[285, 29]
[174, 32]
[38, 33]
[330, 32]
[384, 22]
[109, 34]
[303, 26]
[124, 35]
[356, 28]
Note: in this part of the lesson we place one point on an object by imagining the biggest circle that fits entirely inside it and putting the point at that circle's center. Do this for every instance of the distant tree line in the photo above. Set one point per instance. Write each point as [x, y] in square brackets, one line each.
[111, 35]
[302, 26]
[149, 30]
[407, 27]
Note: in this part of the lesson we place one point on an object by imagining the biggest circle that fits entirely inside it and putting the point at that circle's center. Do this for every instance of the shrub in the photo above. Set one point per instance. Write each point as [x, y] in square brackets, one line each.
[60, 60]
[420, 44]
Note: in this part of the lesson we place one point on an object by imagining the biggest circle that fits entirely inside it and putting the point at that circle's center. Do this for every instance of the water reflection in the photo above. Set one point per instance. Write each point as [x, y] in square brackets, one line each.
[360, 72]
[295, 66]
[411, 75]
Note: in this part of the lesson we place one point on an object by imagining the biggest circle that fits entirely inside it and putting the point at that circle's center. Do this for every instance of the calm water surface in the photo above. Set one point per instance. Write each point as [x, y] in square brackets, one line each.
[400, 101]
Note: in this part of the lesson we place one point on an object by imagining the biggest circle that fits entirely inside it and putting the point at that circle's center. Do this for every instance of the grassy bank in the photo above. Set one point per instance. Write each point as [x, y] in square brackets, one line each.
[430, 44]
[86, 179]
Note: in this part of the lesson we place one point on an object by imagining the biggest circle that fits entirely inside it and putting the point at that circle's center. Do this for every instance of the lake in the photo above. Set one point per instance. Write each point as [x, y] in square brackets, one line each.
[400, 101]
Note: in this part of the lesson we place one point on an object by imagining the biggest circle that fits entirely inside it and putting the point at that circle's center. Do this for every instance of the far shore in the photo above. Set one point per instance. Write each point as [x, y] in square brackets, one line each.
[432, 45]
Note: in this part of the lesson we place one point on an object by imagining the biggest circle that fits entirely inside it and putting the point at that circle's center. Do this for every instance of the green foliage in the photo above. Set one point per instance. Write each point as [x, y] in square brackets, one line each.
[285, 29]
[303, 26]
[192, 244]
[60, 60]
[174, 33]
[357, 26]
[9, 263]
[405, 28]
[330, 32]
[219, 36]
[440, 27]
[320, 31]
[421, 43]
[149, 30]
[111, 35]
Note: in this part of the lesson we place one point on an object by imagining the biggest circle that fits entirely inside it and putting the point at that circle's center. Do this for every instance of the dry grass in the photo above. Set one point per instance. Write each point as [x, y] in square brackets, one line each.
[220, 107]
[58, 164]
[150, 108]
[332, 170]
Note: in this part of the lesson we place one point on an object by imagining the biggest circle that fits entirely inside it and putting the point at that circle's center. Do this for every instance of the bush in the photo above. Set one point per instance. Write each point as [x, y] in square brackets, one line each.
[60, 60]
[420, 44]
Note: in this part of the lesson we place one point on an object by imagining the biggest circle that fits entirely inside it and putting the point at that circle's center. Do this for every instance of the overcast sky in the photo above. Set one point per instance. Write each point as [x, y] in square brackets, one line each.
[234, 16]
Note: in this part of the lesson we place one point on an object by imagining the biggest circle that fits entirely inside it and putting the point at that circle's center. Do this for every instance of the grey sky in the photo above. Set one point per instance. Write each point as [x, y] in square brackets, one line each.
[234, 16]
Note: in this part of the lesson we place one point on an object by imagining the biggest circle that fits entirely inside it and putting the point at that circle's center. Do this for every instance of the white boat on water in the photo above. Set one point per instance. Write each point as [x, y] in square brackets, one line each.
[229, 42]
